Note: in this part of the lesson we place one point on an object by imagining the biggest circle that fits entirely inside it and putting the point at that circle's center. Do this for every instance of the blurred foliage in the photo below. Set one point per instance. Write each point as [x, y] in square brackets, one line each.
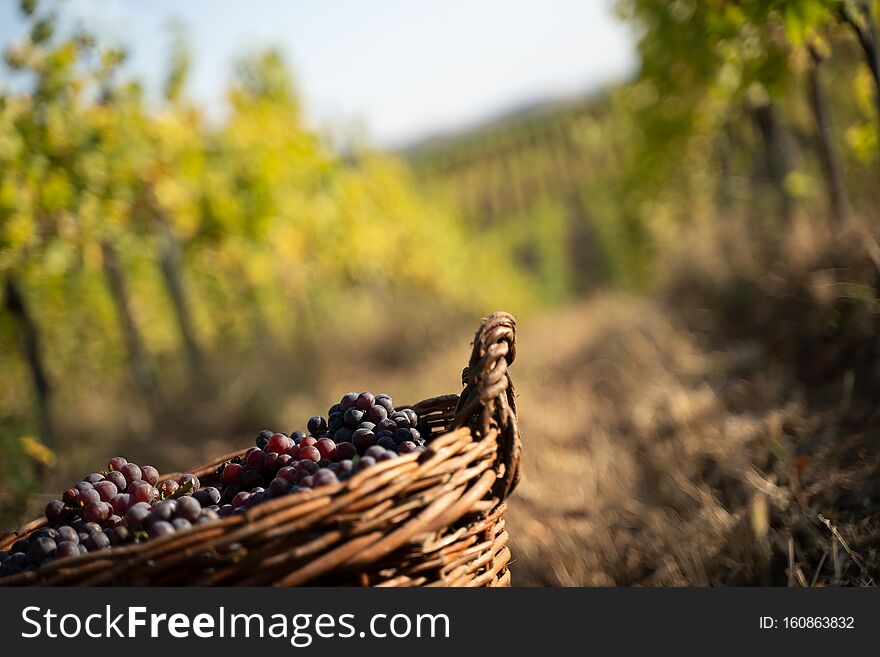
[133, 233]
[718, 122]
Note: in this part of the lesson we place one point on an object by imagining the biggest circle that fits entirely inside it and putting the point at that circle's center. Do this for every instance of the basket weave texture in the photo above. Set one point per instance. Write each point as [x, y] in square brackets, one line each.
[431, 518]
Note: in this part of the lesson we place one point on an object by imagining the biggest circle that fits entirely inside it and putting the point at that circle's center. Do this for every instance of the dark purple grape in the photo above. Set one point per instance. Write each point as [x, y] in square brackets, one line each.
[113, 521]
[402, 435]
[401, 420]
[189, 509]
[137, 514]
[411, 416]
[83, 486]
[279, 487]
[324, 463]
[66, 549]
[365, 400]
[344, 435]
[345, 451]
[270, 465]
[226, 510]
[240, 499]
[164, 510]
[118, 535]
[181, 524]
[116, 463]
[297, 436]
[71, 497]
[286, 459]
[316, 425]
[309, 467]
[386, 425]
[45, 532]
[160, 528]
[98, 541]
[344, 466]
[353, 417]
[150, 475]
[376, 413]
[91, 527]
[364, 462]
[386, 442]
[131, 472]
[209, 515]
[386, 402]
[93, 478]
[106, 489]
[88, 497]
[324, 478]
[55, 511]
[375, 451]
[117, 479]
[363, 439]
[208, 496]
[388, 455]
[263, 438]
[67, 533]
[97, 512]
[348, 400]
[406, 447]
[121, 503]
[335, 422]
[40, 549]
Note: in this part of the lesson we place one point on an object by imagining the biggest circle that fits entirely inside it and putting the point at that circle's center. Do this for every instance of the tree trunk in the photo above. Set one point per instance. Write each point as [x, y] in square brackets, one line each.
[142, 374]
[840, 207]
[30, 344]
[775, 155]
[865, 28]
[172, 273]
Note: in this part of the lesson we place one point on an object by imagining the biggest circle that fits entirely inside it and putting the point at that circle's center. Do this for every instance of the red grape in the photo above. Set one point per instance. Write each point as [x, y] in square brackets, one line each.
[232, 473]
[131, 472]
[327, 448]
[116, 463]
[255, 459]
[150, 475]
[279, 443]
[168, 488]
[310, 453]
[106, 489]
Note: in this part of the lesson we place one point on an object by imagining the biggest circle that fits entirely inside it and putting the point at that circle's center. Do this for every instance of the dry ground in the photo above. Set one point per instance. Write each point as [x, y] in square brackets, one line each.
[650, 459]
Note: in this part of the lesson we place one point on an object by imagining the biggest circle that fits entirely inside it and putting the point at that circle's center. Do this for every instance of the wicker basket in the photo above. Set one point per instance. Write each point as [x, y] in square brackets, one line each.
[432, 518]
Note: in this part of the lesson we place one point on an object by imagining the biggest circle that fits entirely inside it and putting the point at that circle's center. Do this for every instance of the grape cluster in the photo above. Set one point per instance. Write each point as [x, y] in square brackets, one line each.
[125, 504]
[128, 503]
[360, 431]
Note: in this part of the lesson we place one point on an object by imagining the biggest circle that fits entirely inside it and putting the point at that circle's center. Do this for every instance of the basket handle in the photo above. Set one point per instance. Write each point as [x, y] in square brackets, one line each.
[489, 397]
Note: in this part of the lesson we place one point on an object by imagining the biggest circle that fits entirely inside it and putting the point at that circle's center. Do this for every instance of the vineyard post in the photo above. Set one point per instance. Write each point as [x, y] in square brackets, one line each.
[30, 343]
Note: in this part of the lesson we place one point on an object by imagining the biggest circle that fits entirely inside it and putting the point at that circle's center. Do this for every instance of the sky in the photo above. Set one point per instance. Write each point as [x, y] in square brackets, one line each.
[396, 71]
